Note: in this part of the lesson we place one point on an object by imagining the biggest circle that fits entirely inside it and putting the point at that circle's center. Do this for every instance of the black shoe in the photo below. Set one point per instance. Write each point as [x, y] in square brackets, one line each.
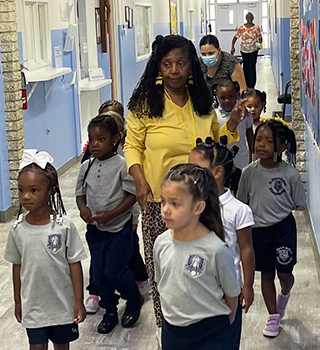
[108, 323]
[132, 313]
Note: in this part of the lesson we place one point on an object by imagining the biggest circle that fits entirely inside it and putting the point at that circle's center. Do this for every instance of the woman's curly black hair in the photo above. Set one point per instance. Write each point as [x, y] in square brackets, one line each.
[147, 99]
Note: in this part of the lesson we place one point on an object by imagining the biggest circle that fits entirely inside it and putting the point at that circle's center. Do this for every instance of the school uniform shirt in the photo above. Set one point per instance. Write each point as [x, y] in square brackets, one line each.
[272, 194]
[193, 278]
[235, 216]
[242, 157]
[44, 253]
[158, 144]
[105, 187]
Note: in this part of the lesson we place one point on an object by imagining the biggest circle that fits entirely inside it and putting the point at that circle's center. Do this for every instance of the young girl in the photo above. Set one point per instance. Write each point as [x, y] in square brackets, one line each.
[237, 220]
[273, 189]
[194, 269]
[46, 250]
[256, 103]
[105, 194]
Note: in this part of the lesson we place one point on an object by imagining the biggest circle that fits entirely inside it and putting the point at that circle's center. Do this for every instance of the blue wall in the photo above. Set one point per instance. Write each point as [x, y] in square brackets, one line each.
[280, 55]
[5, 195]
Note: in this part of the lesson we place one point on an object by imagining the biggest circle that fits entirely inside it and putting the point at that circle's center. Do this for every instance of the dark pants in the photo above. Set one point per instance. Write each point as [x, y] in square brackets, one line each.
[136, 265]
[110, 256]
[249, 68]
[209, 334]
[235, 330]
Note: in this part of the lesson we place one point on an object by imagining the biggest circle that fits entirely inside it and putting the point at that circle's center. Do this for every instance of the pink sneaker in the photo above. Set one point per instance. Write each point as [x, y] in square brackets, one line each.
[281, 304]
[144, 287]
[272, 327]
[92, 304]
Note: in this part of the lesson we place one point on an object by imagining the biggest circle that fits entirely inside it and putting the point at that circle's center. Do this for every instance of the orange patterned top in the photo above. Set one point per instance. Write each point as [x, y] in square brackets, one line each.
[249, 37]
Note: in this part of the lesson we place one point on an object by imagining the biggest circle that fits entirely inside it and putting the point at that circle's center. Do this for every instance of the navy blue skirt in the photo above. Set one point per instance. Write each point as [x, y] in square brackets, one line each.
[209, 334]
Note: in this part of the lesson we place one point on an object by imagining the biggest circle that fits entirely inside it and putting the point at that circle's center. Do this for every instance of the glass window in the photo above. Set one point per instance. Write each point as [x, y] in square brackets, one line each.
[142, 31]
[265, 40]
[212, 12]
[36, 36]
[248, 1]
[191, 25]
[226, 1]
[244, 15]
[264, 9]
[231, 17]
[213, 27]
[264, 25]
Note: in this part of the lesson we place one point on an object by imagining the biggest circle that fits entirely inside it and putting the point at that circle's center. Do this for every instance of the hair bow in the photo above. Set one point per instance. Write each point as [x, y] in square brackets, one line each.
[277, 119]
[33, 156]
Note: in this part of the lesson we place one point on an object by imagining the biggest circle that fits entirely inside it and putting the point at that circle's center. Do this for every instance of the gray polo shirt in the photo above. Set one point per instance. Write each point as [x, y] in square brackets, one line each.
[44, 253]
[193, 278]
[272, 194]
[105, 187]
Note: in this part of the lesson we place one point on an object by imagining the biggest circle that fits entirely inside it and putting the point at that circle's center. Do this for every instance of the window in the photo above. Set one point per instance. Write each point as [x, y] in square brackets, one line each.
[36, 35]
[212, 17]
[191, 25]
[231, 17]
[265, 24]
[143, 31]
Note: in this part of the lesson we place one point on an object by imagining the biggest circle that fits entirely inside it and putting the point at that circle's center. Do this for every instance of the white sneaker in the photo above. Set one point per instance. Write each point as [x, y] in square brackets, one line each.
[92, 304]
[144, 287]
[158, 336]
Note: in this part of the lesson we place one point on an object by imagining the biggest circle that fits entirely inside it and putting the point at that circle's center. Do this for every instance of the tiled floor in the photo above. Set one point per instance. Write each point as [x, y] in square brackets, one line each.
[299, 329]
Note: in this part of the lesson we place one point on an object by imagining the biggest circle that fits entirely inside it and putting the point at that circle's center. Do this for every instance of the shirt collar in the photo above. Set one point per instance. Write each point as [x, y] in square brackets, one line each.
[226, 197]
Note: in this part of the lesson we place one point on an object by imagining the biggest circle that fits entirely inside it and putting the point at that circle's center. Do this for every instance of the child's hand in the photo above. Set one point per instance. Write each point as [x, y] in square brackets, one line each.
[17, 312]
[86, 215]
[79, 312]
[247, 295]
[102, 217]
[239, 111]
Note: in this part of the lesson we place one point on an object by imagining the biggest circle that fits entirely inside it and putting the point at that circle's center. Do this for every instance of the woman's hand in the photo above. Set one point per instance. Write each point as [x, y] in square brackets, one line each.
[143, 191]
[17, 312]
[238, 113]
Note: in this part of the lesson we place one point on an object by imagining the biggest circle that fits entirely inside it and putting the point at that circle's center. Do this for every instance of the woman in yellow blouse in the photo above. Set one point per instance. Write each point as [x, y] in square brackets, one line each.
[170, 107]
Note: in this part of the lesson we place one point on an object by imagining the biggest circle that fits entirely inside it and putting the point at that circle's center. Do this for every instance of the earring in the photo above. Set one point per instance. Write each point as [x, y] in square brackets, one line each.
[190, 78]
[159, 79]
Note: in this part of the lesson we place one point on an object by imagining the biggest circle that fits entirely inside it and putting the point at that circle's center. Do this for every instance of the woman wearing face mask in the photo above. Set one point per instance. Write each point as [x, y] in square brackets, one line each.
[218, 66]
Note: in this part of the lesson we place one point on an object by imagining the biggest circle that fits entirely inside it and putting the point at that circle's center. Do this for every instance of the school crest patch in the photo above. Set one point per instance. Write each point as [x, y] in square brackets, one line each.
[54, 243]
[277, 185]
[195, 265]
[284, 255]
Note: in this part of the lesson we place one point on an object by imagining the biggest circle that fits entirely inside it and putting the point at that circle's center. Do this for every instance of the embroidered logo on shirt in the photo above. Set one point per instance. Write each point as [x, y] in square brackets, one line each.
[277, 185]
[54, 243]
[284, 255]
[195, 265]
[74, 330]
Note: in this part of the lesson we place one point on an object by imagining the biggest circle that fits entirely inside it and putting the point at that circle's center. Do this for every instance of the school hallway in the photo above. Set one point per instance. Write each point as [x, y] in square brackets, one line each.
[299, 328]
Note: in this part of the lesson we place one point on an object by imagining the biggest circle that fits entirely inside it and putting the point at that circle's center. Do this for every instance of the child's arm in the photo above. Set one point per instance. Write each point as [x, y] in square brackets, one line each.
[103, 217]
[17, 291]
[232, 303]
[77, 282]
[85, 212]
[248, 265]
[249, 133]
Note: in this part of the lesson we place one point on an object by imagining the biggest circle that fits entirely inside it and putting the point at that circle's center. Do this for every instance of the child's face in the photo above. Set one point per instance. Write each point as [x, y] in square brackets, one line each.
[100, 142]
[264, 145]
[34, 192]
[177, 206]
[227, 96]
[255, 106]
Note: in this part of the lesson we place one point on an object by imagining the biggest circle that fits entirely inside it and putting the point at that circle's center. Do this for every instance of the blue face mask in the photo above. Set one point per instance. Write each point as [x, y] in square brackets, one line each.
[209, 60]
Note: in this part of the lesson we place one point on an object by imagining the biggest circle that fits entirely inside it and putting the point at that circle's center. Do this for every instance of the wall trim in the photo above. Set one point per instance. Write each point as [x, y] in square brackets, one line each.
[69, 164]
[6, 215]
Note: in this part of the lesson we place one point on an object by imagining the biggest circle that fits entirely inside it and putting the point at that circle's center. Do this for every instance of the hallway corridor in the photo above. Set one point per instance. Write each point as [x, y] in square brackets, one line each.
[299, 328]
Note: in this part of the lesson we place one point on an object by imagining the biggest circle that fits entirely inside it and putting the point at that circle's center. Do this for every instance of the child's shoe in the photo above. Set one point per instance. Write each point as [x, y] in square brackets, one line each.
[92, 304]
[144, 287]
[281, 304]
[132, 312]
[108, 323]
[272, 327]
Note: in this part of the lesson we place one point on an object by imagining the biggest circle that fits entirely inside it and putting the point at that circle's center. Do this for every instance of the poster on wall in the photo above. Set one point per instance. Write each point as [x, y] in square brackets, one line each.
[173, 17]
[309, 81]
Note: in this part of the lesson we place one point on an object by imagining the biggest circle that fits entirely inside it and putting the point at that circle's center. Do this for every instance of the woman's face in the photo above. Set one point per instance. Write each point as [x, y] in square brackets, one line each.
[175, 67]
[209, 50]
[249, 18]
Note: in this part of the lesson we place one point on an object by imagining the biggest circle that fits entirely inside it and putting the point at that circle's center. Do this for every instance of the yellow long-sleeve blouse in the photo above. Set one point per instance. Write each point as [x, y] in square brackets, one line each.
[160, 143]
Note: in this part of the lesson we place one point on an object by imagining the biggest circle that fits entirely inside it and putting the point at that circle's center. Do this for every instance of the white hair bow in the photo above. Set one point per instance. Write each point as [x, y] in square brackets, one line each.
[33, 156]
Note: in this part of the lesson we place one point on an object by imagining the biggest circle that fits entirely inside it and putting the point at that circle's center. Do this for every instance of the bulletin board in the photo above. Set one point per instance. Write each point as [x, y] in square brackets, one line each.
[309, 52]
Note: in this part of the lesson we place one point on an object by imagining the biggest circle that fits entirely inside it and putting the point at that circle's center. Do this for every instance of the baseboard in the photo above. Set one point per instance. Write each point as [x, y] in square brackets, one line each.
[313, 242]
[6, 215]
[65, 167]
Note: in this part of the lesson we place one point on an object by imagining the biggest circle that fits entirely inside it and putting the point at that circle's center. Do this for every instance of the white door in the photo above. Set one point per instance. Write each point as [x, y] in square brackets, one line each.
[230, 16]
